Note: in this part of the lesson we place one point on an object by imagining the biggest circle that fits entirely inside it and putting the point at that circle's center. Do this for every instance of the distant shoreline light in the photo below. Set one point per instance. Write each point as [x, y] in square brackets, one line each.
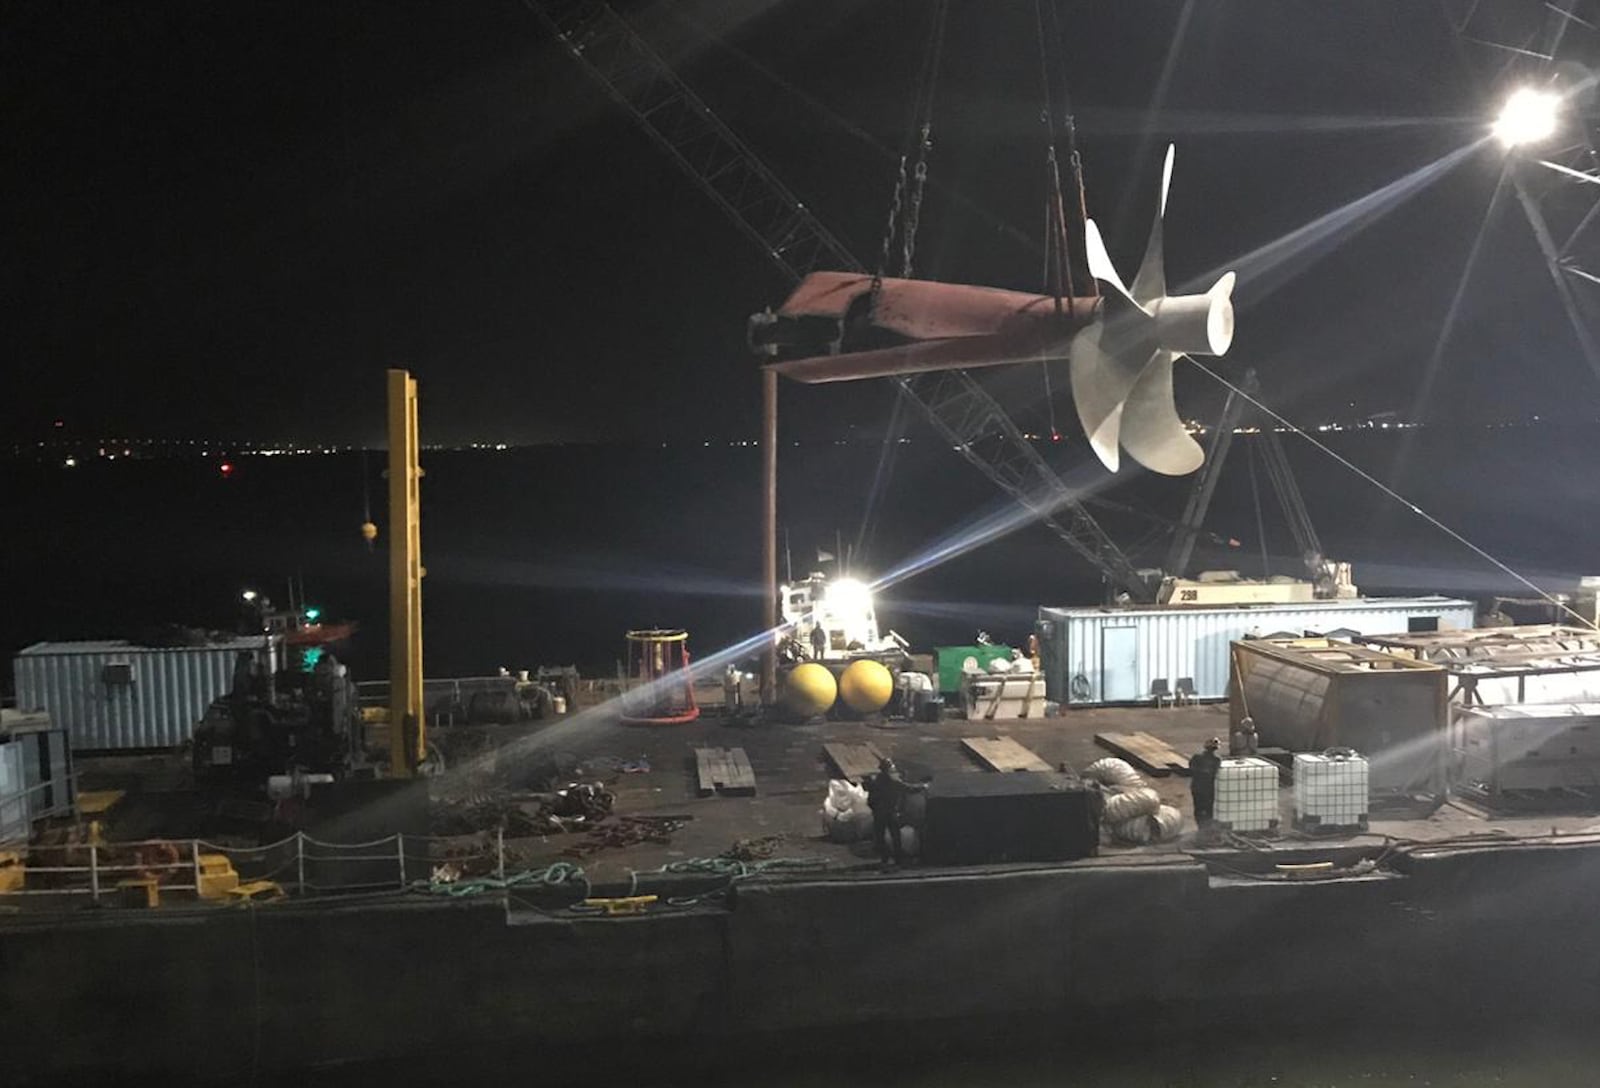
[75, 453]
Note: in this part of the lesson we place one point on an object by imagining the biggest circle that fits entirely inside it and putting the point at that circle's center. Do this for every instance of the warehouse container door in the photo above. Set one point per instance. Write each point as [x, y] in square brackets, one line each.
[1119, 664]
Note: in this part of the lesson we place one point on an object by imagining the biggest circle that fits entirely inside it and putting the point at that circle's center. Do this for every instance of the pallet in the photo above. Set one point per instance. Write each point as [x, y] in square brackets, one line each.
[1003, 754]
[1150, 754]
[852, 762]
[724, 770]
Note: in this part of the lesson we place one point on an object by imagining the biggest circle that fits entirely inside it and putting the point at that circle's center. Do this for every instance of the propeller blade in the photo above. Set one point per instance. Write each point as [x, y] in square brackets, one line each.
[1100, 266]
[1150, 283]
[1104, 367]
[1220, 326]
[1152, 433]
[1104, 441]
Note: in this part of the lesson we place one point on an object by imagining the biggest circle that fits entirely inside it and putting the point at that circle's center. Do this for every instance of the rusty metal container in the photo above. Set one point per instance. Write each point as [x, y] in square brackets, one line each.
[1309, 695]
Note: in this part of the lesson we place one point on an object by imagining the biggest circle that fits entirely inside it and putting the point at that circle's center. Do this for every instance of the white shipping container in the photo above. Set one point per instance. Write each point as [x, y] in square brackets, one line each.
[112, 694]
[1330, 790]
[1247, 794]
[1093, 656]
[14, 823]
[1006, 697]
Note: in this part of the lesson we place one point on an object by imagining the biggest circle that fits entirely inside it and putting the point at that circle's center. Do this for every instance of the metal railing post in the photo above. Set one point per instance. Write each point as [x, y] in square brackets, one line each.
[400, 853]
[94, 872]
[194, 859]
[300, 862]
[500, 853]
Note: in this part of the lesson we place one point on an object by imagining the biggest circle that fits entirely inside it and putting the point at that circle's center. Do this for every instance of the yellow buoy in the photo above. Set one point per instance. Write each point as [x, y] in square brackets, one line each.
[810, 690]
[866, 687]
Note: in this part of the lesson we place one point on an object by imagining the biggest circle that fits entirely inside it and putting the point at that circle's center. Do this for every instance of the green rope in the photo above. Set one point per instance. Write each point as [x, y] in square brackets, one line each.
[730, 868]
[561, 874]
[557, 875]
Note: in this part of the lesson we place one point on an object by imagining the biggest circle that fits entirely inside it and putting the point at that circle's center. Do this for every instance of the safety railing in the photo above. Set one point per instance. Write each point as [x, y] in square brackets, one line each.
[300, 865]
[21, 809]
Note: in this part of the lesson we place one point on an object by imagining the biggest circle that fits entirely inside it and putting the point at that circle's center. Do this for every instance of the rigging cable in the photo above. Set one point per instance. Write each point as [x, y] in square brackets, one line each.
[880, 477]
[1058, 255]
[1044, 362]
[919, 177]
[1397, 497]
[919, 129]
[1255, 497]
[1056, 241]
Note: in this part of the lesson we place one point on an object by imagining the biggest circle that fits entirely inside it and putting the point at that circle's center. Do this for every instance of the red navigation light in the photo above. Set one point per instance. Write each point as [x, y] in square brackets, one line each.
[226, 468]
[1055, 436]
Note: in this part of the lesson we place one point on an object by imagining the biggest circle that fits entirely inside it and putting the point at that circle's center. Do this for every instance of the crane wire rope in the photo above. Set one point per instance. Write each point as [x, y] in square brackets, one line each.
[1060, 269]
[919, 131]
[1058, 258]
[919, 177]
[880, 477]
[1503, 567]
[1255, 499]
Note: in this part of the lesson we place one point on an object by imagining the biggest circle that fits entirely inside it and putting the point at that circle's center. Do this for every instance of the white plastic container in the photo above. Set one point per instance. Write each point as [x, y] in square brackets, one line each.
[1247, 795]
[1331, 790]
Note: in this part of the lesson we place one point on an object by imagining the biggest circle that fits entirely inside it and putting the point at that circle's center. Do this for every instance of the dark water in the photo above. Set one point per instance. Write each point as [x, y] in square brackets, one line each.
[548, 555]
[1334, 1048]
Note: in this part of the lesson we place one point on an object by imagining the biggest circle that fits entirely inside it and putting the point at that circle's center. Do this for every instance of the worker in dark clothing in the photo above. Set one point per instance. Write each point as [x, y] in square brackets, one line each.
[886, 796]
[819, 641]
[1242, 740]
[1203, 768]
[244, 671]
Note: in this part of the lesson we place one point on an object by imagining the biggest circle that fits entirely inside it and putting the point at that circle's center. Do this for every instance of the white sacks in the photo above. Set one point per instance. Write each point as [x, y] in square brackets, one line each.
[845, 815]
[1134, 814]
[1167, 822]
[1112, 771]
[1160, 826]
[1135, 802]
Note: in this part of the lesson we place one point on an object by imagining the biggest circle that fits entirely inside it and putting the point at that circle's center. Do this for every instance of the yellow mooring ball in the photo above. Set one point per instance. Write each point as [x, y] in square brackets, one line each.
[866, 687]
[810, 690]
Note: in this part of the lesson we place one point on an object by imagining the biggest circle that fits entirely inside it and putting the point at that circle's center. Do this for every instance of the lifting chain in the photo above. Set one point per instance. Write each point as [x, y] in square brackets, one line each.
[923, 119]
[908, 247]
[888, 238]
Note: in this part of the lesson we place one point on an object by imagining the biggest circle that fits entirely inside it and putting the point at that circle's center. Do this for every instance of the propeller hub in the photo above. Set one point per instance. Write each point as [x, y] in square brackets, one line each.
[1194, 324]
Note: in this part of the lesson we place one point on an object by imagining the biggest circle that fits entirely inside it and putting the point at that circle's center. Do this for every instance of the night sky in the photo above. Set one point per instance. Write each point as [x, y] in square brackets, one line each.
[224, 220]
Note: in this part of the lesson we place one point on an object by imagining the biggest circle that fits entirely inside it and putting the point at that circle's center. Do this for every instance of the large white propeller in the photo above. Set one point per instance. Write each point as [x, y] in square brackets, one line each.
[1122, 364]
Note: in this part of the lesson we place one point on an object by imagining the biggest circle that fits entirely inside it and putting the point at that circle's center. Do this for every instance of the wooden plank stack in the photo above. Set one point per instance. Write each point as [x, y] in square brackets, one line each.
[1003, 754]
[852, 762]
[1150, 754]
[724, 770]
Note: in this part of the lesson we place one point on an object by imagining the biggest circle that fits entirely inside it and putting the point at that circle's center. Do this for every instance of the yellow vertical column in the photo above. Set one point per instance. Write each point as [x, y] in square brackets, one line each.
[407, 727]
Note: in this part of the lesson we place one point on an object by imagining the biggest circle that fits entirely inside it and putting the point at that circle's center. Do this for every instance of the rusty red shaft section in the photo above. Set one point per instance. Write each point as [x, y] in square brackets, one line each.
[939, 326]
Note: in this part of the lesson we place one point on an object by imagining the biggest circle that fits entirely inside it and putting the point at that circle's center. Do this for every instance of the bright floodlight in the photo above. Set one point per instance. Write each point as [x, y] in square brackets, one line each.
[1527, 117]
[849, 595]
[249, 594]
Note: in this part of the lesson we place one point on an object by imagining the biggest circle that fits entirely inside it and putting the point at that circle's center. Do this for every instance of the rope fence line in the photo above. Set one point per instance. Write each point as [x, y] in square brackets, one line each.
[298, 863]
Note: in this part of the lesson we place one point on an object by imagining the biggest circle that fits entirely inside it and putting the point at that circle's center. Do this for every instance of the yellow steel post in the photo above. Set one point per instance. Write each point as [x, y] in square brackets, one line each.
[407, 728]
